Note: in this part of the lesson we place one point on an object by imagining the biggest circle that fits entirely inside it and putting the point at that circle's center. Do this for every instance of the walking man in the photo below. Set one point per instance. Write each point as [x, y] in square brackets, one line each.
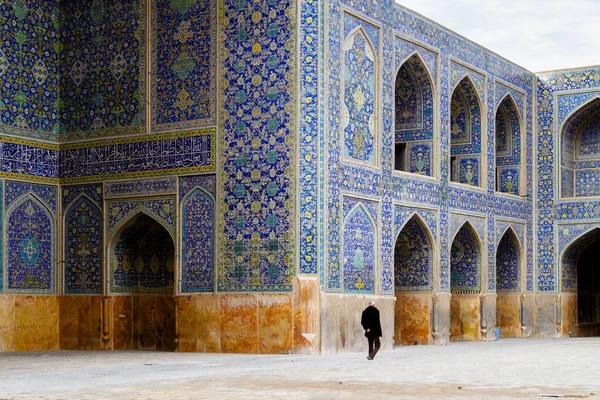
[372, 326]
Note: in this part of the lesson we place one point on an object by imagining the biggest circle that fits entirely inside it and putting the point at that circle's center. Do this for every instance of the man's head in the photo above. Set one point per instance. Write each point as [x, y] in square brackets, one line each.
[372, 303]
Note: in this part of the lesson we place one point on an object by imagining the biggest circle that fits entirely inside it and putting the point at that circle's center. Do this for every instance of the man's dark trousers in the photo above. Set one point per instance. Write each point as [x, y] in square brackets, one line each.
[373, 340]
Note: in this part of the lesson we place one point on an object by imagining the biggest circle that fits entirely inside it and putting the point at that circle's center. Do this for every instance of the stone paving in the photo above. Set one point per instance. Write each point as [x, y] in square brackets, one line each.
[506, 369]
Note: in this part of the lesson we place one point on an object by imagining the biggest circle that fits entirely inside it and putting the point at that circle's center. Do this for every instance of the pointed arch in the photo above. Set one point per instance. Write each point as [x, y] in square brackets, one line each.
[30, 257]
[505, 230]
[417, 57]
[359, 97]
[508, 262]
[509, 146]
[469, 225]
[415, 215]
[133, 213]
[141, 253]
[580, 151]
[465, 133]
[197, 242]
[413, 256]
[467, 80]
[361, 30]
[579, 274]
[509, 99]
[359, 251]
[83, 246]
[414, 102]
[466, 260]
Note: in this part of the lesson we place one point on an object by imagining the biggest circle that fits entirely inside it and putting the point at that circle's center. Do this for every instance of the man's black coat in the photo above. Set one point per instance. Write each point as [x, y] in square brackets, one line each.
[370, 320]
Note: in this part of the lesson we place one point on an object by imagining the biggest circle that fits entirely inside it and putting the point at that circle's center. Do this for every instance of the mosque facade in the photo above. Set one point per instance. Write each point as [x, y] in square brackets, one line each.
[246, 175]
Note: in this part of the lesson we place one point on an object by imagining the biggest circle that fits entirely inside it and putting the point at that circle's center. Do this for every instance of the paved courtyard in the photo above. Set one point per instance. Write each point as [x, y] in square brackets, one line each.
[507, 369]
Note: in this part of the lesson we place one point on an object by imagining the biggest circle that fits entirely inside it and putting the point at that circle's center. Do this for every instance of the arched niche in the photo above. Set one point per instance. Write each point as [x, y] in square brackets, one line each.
[359, 97]
[580, 285]
[465, 134]
[197, 242]
[465, 285]
[508, 147]
[508, 287]
[142, 257]
[413, 257]
[465, 261]
[580, 152]
[359, 251]
[508, 262]
[83, 247]
[414, 118]
[30, 234]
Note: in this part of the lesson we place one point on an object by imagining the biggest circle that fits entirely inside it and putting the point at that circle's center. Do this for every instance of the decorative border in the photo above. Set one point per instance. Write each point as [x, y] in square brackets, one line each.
[141, 187]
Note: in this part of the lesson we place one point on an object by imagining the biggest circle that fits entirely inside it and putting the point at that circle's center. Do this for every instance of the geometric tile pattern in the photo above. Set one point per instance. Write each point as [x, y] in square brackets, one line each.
[30, 247]
[257, 175]
[197, 233]
[29, 68]
[184, 60]
[103, 82]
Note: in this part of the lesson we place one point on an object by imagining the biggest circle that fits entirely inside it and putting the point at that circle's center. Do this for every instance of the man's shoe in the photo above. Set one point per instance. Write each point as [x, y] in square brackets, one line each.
[369, 358]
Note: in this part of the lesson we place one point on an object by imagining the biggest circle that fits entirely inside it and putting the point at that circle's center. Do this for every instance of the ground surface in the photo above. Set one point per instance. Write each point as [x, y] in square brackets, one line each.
[507, 369]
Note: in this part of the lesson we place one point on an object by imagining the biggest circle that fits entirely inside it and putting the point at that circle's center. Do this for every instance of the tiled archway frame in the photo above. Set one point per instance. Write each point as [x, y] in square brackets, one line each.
[429, 218]
[518, 227]
[559, 94]
[162, 209]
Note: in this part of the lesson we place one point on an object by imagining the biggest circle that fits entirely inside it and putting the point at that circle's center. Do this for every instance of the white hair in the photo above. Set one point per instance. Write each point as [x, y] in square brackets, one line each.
[372, 303]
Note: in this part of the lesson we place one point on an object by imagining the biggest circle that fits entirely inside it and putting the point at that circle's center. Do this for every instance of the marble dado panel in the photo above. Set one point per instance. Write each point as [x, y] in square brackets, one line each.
[29, 323]
[184, 71]
[141, 187]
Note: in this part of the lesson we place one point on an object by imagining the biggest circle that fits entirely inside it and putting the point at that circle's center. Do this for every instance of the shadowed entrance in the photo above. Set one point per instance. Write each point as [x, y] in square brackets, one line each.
[580, 273]
[413, 271]
[142, 265]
